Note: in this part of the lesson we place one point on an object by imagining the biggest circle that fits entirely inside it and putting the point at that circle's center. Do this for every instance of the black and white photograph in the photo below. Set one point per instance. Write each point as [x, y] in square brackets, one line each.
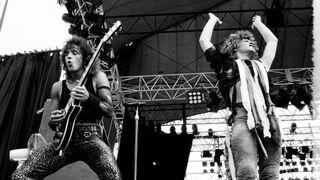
[160, 90]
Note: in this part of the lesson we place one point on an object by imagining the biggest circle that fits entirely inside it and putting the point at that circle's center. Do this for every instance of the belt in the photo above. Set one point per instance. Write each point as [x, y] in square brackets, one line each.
[82, 131]
[87, 127]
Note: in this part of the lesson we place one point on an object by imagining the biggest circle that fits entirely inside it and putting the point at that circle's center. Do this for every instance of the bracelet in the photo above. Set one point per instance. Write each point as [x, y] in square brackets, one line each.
[103, 87]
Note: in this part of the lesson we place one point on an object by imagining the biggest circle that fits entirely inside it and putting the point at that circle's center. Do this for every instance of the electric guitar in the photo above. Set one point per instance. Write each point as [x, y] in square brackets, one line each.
[65, 129]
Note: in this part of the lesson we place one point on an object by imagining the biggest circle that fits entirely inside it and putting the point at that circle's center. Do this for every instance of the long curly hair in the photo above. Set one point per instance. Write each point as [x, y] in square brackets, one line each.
[231, 44]
[85, 50]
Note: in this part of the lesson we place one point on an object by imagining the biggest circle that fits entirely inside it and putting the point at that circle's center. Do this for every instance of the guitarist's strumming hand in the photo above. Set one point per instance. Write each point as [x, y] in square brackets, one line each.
[56, 118]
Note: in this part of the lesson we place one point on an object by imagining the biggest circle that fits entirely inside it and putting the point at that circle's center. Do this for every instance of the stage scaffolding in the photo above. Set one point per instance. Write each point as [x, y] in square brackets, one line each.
[163, 97]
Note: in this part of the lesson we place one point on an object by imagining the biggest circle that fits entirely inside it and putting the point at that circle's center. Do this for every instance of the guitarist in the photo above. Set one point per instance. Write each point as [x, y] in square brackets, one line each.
[86, 143]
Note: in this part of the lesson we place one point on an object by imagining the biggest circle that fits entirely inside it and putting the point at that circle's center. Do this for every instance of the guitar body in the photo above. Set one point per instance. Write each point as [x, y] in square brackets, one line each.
[64, 134]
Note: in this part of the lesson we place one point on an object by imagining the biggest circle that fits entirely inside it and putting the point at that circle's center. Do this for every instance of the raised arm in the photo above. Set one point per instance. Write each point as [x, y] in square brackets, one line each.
[270, 39]
[206, 34]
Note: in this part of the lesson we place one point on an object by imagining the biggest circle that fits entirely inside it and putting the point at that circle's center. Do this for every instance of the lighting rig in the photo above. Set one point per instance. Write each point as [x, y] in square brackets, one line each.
[86, 19]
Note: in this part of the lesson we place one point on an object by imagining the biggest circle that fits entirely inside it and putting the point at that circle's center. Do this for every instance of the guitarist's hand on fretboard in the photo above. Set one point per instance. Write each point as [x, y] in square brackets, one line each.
[80, 93]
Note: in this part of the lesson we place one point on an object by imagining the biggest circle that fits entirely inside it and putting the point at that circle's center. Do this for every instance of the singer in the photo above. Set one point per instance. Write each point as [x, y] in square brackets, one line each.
[86, 143]
[243, 81]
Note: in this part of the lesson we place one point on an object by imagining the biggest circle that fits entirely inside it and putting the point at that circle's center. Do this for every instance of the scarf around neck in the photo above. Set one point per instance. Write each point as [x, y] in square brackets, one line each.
[252, 95]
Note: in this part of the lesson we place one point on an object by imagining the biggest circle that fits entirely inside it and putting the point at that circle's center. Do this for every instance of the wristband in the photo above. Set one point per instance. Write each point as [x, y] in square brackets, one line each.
[94, 100]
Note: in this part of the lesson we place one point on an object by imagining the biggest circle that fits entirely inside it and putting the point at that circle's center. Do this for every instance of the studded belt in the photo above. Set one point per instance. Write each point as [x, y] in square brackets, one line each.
[84, 131]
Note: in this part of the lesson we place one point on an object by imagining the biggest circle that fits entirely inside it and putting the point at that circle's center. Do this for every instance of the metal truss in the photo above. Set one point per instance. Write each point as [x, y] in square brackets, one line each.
[169, 87]
[163, 96]
[157, 23]
[165, 87]
[291, 76]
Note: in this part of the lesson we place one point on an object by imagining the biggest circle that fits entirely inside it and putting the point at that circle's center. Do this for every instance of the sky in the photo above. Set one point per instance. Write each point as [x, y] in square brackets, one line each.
[32, 25]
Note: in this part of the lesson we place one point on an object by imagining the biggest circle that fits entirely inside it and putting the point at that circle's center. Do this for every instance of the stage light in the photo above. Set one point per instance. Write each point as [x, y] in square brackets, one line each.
[71, 19]
[281, 99]
[297, 103]
[94, 18]
[95, 30]
[284, 171]
[294, 163]
[75, 30]
[302, 156]
[206, 154]
[195, 97]
[211, 163]
[204, 163]
[305, 149]
[281, 171]
[291, 151]
[288, 156]
[211, 170]
[94, 4]
[205, 171]
[304, 94]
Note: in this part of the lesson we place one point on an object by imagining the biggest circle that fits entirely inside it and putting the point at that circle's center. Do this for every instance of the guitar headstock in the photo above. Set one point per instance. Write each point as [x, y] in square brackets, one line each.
[116, 26]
